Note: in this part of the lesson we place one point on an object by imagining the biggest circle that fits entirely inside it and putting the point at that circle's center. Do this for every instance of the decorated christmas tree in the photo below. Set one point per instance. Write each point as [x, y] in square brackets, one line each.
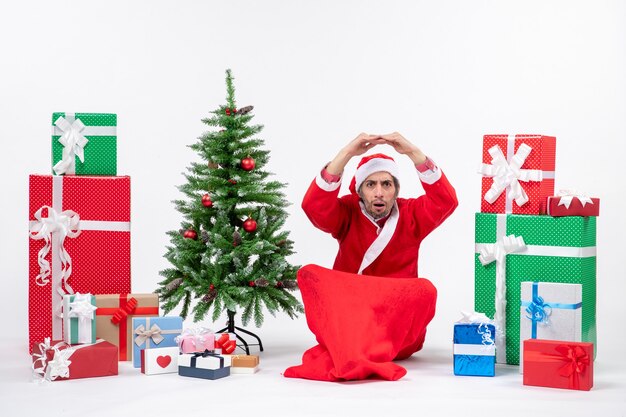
[230, 254]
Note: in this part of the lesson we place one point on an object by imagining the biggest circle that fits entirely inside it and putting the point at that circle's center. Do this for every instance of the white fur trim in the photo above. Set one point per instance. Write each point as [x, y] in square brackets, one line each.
[325, 185]
[430, 177]
[383, 239]
[375, 165]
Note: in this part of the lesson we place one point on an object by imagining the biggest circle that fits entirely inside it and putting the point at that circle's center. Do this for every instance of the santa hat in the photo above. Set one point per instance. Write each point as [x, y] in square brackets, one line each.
[370, 164]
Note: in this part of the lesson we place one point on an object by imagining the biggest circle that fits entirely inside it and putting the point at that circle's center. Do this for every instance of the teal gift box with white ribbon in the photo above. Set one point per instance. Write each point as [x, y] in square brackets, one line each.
[84, 144]
[550, 311]
[514, 248]
[79, 318]
[154, 332]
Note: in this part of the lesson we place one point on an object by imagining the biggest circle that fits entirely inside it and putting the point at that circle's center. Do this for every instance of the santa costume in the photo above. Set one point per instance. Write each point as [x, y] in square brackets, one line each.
[378, 318]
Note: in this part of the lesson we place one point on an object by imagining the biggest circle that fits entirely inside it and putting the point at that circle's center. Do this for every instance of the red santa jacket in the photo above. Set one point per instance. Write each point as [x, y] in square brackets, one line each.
[364, 247]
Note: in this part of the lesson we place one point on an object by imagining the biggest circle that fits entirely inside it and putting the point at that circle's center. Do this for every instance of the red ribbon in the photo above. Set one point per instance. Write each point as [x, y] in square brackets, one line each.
[123, 312]
[228, 346]
[575, 361]
[128, 307]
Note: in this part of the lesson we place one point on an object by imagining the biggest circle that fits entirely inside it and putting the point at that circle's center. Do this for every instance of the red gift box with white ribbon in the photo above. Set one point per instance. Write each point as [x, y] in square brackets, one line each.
[57, 360]
[79, 242]
[572, 203]
[518, 173]
[558, 364]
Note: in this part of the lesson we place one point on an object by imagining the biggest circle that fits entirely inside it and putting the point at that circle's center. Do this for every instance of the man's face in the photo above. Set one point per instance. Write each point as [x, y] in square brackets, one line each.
[378, 193]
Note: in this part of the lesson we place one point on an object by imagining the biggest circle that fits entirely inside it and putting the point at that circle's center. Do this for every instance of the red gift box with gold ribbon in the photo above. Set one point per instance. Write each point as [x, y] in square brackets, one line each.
[558, 364]
[114, 315]
[518, 173]
[79, 242]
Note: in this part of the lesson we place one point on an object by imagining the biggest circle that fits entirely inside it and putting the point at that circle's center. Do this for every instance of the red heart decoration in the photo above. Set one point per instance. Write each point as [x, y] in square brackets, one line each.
[163, 361]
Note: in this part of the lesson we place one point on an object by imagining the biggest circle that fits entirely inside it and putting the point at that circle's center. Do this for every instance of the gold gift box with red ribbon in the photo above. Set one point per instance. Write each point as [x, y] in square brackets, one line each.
[114, 318]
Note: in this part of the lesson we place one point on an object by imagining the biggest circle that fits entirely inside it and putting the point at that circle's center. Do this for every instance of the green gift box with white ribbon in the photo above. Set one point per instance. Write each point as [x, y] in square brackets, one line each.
[514, 248]
[84, 144]
[79, 318]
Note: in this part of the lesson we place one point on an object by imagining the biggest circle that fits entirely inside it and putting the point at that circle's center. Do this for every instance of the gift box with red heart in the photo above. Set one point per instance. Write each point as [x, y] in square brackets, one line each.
[159, 361]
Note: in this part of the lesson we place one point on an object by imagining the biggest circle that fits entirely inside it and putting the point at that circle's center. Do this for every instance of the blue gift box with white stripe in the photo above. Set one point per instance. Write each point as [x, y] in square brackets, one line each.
[474, 349]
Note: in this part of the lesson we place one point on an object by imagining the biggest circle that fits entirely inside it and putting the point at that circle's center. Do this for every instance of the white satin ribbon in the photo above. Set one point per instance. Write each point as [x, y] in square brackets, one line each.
[73, 142]
[497, 252]
[568, 195]
[56, 226]
[474, 350]
[508, 174]
[82, 309]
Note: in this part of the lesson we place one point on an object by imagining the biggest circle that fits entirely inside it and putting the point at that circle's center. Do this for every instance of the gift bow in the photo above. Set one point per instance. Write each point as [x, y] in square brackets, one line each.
[574, 358]
[153, 333]
[508, 174]
[201, 338]
[506, 245]
[123, 312]
[73, 143]
[65, 224]
[538, 310]
[567, 196]
[224, 343]
[82, 308]
[58, 367]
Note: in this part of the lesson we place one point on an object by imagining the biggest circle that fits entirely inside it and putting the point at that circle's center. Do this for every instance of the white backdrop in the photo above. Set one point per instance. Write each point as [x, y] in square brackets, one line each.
[443, 73]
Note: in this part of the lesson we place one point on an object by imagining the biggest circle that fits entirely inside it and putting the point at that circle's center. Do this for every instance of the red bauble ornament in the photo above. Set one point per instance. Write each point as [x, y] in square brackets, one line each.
[227, 111]
[279, 284]
[232, 181]
[211, 287]
[248, 164]
[190, 234]
[249, 225]
[251, 283]
[206, 201]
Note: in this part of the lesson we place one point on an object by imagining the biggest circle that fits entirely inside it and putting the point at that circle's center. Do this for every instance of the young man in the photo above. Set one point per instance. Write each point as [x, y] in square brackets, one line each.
[378, 233]
[364, 318]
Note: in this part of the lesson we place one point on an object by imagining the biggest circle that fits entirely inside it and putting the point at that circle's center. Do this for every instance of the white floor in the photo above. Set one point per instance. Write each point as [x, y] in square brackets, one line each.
[429, 388]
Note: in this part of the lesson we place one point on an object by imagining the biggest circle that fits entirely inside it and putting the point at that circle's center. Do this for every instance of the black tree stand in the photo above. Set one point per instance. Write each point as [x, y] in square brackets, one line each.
[230, 328]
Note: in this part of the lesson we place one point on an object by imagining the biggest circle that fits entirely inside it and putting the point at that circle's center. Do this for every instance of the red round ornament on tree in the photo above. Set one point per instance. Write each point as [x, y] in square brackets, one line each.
[248, 164]
[279, 284]
[206, 201]
[249, 225]
[211, 287]
[190, 234]
[232, 181]
[251, 283]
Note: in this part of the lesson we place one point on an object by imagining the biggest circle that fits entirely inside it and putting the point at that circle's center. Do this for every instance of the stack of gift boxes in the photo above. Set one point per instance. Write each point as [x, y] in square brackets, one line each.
[83, 318]
[535, 264]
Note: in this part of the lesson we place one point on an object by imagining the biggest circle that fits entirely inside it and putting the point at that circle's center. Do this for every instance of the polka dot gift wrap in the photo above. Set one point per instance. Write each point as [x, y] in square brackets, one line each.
[518, 173]
[555, 249]
[79, 242]
[84, 144]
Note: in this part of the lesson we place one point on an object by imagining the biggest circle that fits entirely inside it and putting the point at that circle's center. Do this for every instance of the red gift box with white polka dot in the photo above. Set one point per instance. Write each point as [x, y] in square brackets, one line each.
[79, 242]
[541, 158]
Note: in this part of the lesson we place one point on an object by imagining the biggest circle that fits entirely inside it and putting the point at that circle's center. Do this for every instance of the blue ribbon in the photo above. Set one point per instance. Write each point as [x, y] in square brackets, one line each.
[538, 311]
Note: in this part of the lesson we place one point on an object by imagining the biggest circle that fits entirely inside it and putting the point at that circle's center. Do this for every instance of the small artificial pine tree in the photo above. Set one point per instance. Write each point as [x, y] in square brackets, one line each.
[230, 251]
